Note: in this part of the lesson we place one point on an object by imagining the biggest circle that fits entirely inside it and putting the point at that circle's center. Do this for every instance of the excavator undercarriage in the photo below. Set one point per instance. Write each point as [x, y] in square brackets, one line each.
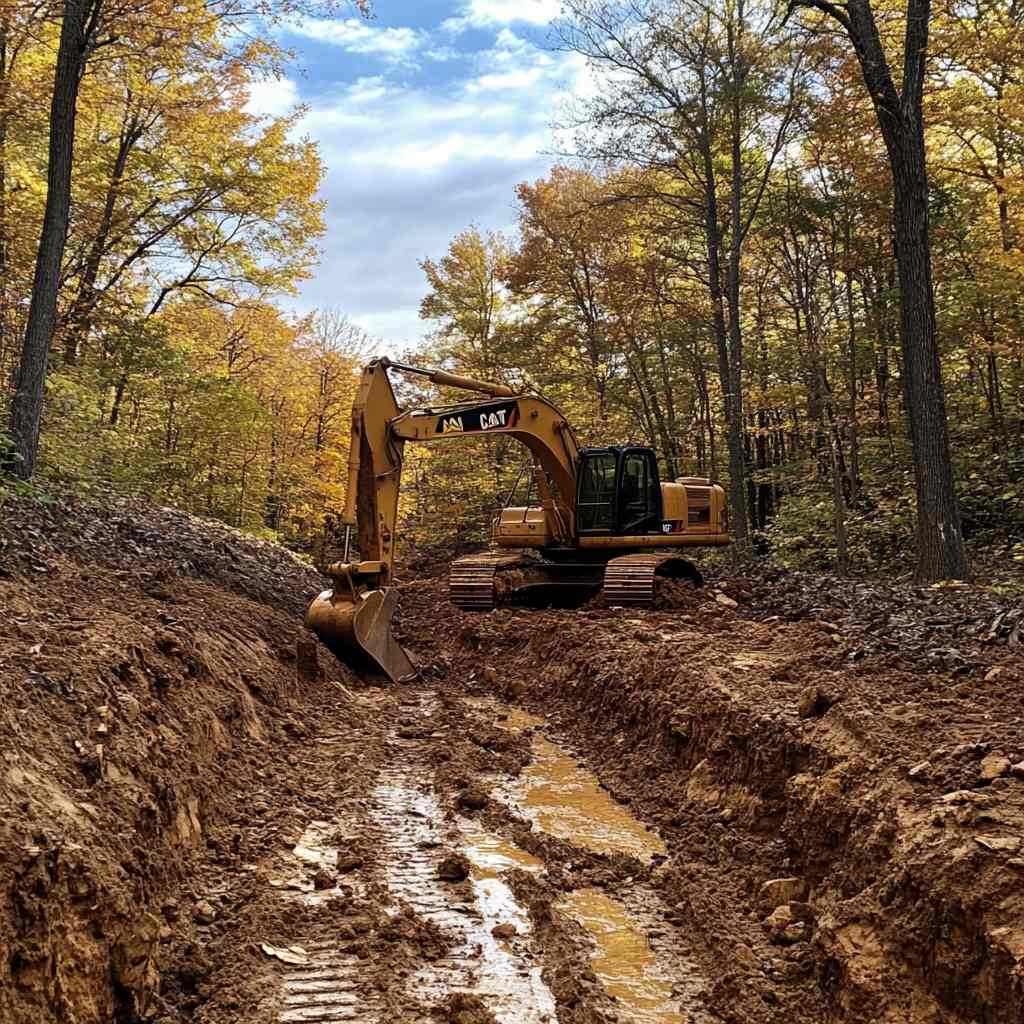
[481, 582]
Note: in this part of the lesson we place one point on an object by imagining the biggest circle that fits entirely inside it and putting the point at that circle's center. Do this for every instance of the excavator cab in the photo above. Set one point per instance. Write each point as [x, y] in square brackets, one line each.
[618, 492]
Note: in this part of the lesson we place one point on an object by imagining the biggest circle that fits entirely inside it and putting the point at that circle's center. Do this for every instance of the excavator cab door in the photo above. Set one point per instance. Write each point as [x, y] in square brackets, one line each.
[639, 493]
[618, 492]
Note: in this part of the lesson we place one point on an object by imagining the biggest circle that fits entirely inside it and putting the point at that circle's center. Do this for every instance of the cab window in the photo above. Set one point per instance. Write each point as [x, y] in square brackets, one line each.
[640, 505]
[595, 503]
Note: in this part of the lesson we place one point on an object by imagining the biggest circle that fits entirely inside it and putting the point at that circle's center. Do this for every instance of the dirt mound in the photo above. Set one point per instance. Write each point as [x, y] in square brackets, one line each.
[148, 685]
[923, 628]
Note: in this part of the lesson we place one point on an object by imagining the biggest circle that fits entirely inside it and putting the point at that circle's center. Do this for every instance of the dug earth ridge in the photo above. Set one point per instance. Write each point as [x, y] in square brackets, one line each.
[844, 834]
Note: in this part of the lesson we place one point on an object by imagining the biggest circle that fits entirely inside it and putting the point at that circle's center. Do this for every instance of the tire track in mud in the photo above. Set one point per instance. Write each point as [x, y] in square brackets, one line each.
[404, 822]
[622, 927]
[328, 989]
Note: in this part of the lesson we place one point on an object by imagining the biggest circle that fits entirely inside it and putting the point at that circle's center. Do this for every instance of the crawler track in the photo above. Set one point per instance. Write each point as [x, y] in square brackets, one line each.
[471, 580]
[629, 581]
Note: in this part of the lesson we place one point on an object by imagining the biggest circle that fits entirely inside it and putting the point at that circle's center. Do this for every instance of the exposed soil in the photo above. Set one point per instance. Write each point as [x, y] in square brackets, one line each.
[757, 802]
[887, 785]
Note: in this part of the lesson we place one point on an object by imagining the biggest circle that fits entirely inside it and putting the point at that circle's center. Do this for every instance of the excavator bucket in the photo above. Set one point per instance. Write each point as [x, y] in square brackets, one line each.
[358, 632]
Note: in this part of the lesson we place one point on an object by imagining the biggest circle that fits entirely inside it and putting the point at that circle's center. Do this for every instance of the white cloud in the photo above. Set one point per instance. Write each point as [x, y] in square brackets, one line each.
[413, 159]
[368, 89]
[355, 36]
[518, 78]
[272, 98]
[521, 66]
[487, 13]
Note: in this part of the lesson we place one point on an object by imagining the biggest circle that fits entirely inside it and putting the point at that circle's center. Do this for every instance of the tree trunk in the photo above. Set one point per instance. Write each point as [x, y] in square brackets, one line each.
[940, 546]
[80, 316]
[77, 27]
[851, 412]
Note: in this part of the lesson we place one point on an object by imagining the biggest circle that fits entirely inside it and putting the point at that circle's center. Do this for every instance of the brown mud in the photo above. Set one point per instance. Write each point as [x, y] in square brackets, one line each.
[743, 805]
[844, 822]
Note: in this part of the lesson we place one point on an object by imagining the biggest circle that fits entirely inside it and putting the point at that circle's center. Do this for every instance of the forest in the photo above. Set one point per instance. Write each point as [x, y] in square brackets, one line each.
[285, 742]
[711, 268]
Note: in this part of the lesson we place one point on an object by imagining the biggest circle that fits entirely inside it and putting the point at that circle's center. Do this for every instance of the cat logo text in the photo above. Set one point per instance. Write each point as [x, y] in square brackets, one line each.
[493, 416]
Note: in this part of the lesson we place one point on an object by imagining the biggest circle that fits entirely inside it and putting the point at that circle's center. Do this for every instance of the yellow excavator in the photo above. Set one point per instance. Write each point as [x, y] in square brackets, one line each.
[603, 521]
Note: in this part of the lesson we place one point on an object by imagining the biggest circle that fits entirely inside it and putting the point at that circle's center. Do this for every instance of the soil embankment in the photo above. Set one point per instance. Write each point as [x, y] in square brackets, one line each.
[151, 713]
[754, 803]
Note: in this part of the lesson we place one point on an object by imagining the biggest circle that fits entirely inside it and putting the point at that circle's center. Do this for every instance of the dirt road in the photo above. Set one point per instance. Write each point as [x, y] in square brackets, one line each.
[718, 810]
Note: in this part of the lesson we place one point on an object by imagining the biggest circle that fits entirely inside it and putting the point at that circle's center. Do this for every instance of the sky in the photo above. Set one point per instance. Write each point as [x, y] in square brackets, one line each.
[427, 117]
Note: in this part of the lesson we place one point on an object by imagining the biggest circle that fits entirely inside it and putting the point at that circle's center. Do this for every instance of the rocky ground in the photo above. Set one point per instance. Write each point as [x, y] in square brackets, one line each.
[812, 795]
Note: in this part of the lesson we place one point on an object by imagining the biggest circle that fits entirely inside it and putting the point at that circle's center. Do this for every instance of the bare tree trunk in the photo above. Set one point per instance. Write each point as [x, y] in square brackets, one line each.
[851, 412]
[77, 30]
[80, 315]
[839, 512]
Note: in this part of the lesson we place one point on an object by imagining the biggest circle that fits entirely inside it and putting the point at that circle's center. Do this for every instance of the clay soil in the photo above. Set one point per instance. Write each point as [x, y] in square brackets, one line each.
[203, 818]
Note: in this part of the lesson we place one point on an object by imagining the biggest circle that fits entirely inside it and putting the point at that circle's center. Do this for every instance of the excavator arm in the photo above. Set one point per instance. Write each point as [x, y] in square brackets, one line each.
[354, 618]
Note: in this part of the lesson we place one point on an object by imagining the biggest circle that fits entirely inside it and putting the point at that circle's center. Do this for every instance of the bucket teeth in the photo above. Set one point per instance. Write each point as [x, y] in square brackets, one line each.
[358, 632]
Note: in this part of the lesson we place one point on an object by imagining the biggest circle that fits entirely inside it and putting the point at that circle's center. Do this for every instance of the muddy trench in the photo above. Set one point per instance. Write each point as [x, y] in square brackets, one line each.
[532, 845]
[479, 872]
[587, 815]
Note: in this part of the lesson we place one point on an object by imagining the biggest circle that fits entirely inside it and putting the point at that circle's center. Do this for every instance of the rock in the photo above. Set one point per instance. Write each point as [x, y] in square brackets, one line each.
[504, 931]
[745, 956]
[490, 675]
[1006, 844]
[779, 917]
[204, 913]
[130, 707]
[453, 868]
[347, 863]
[472, 799]
[323, 880]
[170, 910]
[992, 766]
[992, 673]
[514, 689]
[725, 601]
[814, 702]
[416, 732]
[789, 923]
[958, 796]
[919, 770]
[1018, 768]
[777, 891]
[777, 921]
[463, 1008]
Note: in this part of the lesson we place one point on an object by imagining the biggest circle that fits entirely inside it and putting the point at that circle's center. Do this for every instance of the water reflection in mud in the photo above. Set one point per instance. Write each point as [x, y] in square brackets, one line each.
[565, 800]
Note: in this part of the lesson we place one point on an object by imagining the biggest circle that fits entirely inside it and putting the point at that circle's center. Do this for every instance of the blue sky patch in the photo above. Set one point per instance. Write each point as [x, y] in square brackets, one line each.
[427, 117]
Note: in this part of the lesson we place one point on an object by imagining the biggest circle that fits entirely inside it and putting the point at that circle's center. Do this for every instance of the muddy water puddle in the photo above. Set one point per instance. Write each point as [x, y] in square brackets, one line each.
[624, 961]
[562, 798]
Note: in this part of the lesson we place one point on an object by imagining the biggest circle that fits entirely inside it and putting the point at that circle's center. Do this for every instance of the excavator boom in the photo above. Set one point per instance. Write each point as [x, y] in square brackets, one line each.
[353, 619]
